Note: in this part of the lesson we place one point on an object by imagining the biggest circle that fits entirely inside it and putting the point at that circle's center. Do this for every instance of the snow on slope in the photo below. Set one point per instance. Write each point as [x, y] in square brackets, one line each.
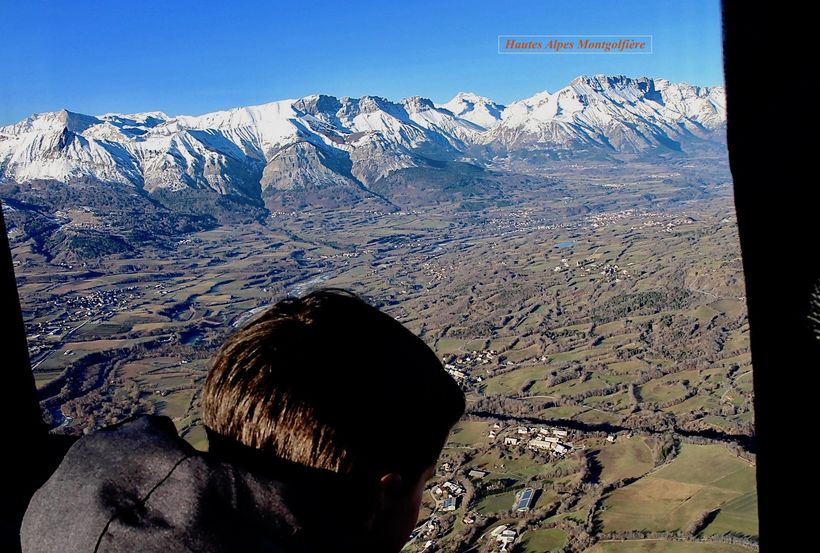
[357, 138]
[611, 112]
[476, 109]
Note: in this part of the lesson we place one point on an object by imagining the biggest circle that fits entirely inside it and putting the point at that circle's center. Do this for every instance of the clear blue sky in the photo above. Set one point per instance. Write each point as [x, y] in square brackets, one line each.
[182, 56]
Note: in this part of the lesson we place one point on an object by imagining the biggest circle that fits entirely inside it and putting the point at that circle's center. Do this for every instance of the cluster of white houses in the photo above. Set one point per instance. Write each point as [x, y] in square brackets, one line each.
[504, 536]
[449, 492]
[428, 530]
[543, 439]
[462, 377]
[457, 366]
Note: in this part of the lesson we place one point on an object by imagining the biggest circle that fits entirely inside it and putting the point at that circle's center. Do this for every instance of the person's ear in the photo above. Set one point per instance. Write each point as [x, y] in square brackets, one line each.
[391, 486]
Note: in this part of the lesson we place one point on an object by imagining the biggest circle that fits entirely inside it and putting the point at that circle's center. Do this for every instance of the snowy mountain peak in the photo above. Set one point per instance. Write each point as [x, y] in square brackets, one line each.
[372, 104]
[470, 97]
[415, 104]
[51, 121]
[535, 99]
[479, 110]
[615, 113]
[318, 104]
[357, 140]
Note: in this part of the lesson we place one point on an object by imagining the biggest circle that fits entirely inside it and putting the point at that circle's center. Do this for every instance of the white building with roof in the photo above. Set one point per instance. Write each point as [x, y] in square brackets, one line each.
[497, 530]
[540, 444]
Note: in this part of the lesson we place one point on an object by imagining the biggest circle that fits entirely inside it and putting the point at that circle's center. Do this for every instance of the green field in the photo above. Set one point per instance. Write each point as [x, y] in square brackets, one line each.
[497, 503]
[700, 479]
[738, 515]
[470, 433]
[538, 541]
[626, 458]
[511, 382]
[663, 345]
[518, 468]
[663, 546]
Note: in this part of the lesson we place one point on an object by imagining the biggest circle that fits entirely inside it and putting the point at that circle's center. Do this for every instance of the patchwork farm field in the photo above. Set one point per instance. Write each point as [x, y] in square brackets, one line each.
[664, 546]
[619, 334]
[701, 479]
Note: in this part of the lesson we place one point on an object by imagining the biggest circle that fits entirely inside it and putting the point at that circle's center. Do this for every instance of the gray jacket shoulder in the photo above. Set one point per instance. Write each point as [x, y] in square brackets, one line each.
[97, 480]
[139, 487]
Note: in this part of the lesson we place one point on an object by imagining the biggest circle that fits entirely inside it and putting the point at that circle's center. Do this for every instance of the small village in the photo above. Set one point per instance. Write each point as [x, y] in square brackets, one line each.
[457, 490]
[72, 312]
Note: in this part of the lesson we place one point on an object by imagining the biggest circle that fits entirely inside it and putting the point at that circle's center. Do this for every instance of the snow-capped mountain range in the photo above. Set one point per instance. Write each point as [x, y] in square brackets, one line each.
[321, 141]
